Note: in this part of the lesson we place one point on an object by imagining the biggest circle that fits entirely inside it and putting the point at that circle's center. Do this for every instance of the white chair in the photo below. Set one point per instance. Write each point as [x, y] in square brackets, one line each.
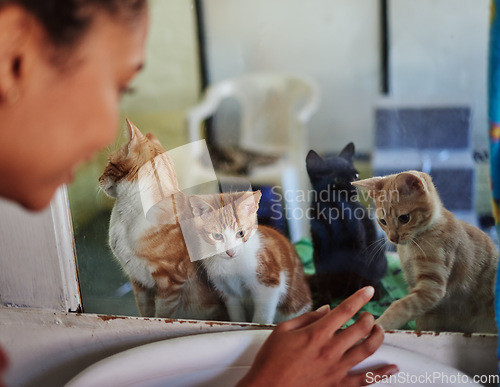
[274, 110]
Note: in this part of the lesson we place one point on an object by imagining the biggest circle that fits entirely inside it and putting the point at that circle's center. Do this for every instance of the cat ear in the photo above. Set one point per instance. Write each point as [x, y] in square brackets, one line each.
[152, 138]
[133, 133]
[409, 183]
[372, 185]
[348, 152]
[199, 206]
[249, 204]
[313, 161]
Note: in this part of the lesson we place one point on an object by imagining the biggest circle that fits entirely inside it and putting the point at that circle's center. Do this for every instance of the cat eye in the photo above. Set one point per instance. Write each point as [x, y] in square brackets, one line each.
[217, 236]
[240, 234]
[383, 222]
[404, 218]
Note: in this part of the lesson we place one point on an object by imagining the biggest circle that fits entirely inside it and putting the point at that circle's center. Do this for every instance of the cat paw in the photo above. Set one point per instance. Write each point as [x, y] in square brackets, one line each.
[387, 324]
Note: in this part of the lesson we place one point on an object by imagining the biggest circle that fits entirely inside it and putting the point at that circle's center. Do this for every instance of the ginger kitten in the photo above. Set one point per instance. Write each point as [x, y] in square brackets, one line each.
[255, 268]
[449, 265]
[154, 256]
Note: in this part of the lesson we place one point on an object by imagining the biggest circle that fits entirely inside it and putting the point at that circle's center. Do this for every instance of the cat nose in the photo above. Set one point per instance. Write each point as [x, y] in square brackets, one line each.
[231, 252]
[394, 238]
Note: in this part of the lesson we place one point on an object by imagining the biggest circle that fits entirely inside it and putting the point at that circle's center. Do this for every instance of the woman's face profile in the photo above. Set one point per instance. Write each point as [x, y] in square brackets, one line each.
[63, 115]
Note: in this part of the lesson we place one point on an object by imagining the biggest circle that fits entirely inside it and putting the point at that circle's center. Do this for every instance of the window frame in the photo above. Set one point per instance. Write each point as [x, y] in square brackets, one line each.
[38, 259]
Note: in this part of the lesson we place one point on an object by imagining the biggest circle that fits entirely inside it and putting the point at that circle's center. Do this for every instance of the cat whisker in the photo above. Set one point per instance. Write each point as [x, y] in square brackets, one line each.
[379, 247]
[374, 250]
[99, 194]
[412, 240]
[375, 244]
[371, 250]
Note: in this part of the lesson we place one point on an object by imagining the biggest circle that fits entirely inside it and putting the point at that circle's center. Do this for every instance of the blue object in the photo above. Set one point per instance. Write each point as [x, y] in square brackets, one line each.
[494, 132]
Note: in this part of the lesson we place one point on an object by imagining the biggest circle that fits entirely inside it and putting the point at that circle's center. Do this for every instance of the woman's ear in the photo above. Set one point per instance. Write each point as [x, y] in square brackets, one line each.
[17, 29]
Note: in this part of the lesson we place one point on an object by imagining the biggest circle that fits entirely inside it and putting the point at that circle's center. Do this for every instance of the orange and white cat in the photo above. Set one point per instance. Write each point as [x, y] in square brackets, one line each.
[255, 268]
[154, 256]
[449, 265]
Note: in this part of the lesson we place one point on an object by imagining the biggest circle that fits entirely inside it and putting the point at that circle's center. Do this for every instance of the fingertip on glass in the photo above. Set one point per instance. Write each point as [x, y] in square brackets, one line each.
[323, 309]
[369, 291]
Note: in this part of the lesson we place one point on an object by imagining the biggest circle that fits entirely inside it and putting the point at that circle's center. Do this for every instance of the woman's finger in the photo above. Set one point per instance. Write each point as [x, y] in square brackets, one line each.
[364, 349]
[303, 320]
[345, 311]
[348, 337]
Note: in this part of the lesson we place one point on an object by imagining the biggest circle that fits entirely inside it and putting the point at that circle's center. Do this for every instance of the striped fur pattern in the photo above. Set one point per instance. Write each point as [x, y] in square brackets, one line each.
[154, 256]
[256, 269]
[448, 264]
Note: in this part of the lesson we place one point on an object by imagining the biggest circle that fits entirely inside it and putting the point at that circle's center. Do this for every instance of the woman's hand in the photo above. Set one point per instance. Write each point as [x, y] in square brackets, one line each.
[311, 350]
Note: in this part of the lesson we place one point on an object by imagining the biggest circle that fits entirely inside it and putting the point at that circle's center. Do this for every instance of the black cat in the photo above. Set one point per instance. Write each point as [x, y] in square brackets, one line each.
[346, 253]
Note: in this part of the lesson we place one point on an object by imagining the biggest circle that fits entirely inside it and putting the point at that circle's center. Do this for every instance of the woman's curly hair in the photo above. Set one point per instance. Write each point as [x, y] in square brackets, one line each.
[66, 21]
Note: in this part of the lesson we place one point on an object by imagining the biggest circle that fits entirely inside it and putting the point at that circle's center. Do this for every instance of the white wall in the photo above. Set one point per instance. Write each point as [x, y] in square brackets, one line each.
[335, 42]
[439, 53]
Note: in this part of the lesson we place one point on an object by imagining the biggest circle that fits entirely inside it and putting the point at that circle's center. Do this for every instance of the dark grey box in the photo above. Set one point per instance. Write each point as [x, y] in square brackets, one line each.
[423, 128]
[435, 140]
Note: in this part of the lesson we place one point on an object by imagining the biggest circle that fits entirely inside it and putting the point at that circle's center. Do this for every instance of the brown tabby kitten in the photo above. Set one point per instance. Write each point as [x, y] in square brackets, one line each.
[154, 256]
[449, 265]
[255, 268]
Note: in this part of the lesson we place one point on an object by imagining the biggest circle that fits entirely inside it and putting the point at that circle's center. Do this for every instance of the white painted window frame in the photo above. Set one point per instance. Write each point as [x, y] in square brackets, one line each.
[66, 250]
[37, 257]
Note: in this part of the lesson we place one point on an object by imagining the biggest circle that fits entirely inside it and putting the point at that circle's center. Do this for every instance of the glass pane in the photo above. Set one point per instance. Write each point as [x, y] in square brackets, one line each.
[408, 88]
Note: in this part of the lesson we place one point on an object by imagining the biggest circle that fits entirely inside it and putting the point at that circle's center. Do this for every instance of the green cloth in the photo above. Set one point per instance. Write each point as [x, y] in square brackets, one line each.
[393, 284]
[305, 251]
